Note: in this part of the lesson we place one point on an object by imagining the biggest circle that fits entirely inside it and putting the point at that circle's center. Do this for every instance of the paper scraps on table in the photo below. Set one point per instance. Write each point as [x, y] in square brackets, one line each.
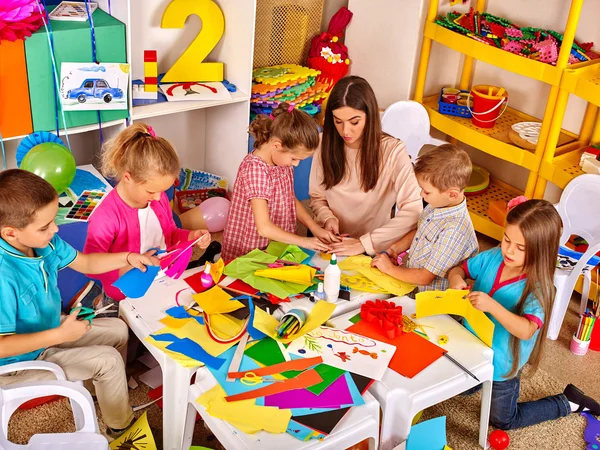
[244, 414]
[362, 264]
[294, 274]
[135, 283]
[216, 301]
[305, 379]
[361, 283]
[345, 350]
[216, 270]
[183, 360]
[192, 349]
[139, 432]
[428, 435]
[413, 353]
[198, 334]
[298, 364]
[267, 324]
[291, 252]
[175, 261]
[452, 301]
[177, 313]
[386, 315]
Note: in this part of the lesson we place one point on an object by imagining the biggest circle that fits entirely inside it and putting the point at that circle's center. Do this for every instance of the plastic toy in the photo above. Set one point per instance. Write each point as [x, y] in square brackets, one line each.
[592, 432]
[190, 199]
[95, 88]
[489, 103]
[215, 211]
[498, 440]
[19, 19]
[29, 142]
[53, 162]
[479, 181]
[148, 90]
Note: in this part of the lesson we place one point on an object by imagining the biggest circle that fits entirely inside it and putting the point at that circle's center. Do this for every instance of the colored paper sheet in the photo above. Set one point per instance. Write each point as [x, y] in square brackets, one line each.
[180, 312]
[185, 361]
[295, 364]
[320, 314]
[216, 270]
[172, 322]
[302, 432]
[244, 415]
[452, 301]
[216, 301]
[193, 350]
[362, 264]
[291, 253]
[413, 353]
[235, 387]
[428, 435]
[198, 334]
[364, 355]
[361, 283]
[334, 396]
[294, 274]
[135, 283]
[139, 432]
[307, 378]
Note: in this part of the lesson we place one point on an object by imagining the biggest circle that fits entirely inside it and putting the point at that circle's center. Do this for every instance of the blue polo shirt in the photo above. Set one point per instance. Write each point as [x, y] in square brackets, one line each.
[29, 297]
[486, 269]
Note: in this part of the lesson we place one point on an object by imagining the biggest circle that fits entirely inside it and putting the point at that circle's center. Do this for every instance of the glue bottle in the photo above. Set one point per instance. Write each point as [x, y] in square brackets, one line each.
[332, 280]
[206, 278]
[320, 294]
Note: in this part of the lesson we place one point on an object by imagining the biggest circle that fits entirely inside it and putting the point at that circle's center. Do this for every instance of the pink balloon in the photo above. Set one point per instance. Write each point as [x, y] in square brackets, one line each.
[215, 211]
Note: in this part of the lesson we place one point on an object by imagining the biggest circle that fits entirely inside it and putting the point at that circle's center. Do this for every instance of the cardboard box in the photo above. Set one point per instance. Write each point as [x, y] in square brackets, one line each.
[15, 114]
[72, 43]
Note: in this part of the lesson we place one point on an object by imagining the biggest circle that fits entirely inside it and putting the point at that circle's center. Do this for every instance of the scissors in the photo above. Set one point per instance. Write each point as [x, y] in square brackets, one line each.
[251, 379]
[88, 314]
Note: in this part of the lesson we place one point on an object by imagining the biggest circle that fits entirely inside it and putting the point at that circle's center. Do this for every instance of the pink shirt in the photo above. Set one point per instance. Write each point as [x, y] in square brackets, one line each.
[115, 227]
[257, 179]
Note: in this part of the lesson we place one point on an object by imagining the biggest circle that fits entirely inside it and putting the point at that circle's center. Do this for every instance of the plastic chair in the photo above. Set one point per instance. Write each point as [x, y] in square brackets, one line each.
[12, 396]
[409, 122]
[582, 220]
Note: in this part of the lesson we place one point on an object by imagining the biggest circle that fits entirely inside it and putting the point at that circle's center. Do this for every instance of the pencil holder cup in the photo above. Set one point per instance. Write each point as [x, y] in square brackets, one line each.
[578, 347]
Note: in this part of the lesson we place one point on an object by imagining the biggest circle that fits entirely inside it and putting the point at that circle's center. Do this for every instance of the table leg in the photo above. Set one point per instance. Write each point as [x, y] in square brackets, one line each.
[486, 402]
[176, 384]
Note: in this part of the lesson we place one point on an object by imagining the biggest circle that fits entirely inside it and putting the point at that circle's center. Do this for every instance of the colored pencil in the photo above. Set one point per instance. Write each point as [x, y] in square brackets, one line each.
[235, 291]
[579, 327]
[461, 366]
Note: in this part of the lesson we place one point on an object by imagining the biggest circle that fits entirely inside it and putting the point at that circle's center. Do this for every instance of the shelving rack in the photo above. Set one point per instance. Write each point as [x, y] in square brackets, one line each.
[495, 141]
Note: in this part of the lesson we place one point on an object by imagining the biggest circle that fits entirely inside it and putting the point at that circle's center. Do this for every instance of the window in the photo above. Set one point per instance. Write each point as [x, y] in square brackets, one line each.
[101, 84]
[88, 84]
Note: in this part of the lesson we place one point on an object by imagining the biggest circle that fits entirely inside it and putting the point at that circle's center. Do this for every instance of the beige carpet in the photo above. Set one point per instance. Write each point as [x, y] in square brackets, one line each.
[559, 367]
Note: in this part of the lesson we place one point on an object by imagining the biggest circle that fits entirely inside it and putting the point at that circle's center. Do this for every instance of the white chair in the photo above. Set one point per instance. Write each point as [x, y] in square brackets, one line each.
[12, 396]
[409, 122]
[580, 217]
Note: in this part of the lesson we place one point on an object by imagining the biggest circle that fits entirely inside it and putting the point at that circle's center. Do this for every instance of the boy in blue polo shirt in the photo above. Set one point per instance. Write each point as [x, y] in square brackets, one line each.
[31, 326]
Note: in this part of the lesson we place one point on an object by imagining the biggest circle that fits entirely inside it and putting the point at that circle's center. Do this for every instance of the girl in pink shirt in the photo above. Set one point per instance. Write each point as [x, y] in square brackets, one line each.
[263, 206]
[136, 216]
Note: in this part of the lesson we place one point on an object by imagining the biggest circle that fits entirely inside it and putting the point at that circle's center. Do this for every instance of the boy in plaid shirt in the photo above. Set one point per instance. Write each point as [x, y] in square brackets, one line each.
[444, 236]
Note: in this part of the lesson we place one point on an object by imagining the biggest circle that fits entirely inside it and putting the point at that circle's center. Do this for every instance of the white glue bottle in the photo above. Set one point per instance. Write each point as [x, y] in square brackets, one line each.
[332, 280]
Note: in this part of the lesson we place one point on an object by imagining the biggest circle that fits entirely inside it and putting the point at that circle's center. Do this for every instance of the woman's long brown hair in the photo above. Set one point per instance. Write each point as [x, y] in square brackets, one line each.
[354, 92]
[541, 226]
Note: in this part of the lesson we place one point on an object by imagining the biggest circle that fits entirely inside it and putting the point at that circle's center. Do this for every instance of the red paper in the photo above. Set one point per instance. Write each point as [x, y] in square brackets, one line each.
[304, 380]
[294, 364]
[194, 282]
[413, 353]
[239, 285]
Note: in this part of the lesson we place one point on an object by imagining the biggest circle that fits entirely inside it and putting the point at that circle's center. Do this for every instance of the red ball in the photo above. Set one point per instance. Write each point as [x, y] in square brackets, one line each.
[499, 440]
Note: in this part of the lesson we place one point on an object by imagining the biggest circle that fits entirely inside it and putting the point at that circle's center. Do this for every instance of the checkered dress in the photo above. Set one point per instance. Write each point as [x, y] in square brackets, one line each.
[256, 179]
[445, 237]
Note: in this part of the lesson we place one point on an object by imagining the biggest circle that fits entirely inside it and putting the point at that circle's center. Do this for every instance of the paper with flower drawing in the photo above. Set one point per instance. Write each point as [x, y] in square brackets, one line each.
[347, 351]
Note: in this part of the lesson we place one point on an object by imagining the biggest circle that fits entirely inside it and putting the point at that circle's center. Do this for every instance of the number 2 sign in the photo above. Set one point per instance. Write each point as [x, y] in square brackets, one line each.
[189, 66]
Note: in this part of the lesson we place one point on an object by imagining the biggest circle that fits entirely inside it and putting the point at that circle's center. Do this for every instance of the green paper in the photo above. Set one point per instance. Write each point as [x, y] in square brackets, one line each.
[267, 352]
[72, 43]
[355, 319]
[286, 252]
[244, 267]
[199, 447]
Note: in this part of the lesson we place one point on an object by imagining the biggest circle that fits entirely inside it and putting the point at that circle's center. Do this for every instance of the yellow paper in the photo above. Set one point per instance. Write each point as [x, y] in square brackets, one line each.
[362, 264]
[139, 433]
[446, 448]
[216, 301]
[172, 322]
[361, 283]
[225, 326]
[294, 274]
[452, 301]
[245, 414]
[320, 313]
[198, 334]
[185, 361]
[216, 270]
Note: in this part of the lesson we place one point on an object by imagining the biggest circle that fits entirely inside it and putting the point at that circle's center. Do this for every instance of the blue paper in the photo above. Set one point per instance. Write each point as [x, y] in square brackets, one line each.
[86, 181]
[235, 387]
[428, 435]
[310, 253]
[179, 312]
[135, 283]
[253, 332]
[165, 337]
[302, 432]
[192, 349]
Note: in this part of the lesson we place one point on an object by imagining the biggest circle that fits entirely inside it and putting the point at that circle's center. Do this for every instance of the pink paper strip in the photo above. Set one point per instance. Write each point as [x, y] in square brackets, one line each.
[336, 395]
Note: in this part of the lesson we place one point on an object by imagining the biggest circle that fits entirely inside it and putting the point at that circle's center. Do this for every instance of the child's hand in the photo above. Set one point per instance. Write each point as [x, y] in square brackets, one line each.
[141, 261]
[457, 282]
[348, 247]
[326, 236]
[383, 263]
[315, 244]
[72, 329]
[333, 226]
[202, 243]
[481, 301]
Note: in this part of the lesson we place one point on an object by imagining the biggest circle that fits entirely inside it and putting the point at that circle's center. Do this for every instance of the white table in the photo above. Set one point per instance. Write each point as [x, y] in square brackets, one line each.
[143, 315]
[402, 398]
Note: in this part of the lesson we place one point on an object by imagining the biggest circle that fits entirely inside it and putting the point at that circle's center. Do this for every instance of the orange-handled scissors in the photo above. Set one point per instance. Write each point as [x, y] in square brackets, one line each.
[251, 379]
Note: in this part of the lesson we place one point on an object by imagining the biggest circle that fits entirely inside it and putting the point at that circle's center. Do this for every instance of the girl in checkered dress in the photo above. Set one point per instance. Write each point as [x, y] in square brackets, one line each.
[264, 207]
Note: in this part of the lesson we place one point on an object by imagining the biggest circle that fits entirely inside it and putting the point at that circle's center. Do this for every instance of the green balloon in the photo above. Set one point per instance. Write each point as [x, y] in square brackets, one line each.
[53, 162]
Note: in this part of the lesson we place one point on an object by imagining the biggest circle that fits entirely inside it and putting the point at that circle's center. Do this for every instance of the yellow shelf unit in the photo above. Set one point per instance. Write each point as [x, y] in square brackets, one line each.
[563, 168]
[584, 81]
[478, 207]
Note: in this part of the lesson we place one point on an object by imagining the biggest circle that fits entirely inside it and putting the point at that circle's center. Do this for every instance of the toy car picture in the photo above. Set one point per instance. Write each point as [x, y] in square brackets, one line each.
[92, 86]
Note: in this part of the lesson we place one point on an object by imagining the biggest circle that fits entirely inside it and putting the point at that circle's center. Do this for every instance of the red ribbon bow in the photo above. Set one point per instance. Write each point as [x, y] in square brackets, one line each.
[385, 315]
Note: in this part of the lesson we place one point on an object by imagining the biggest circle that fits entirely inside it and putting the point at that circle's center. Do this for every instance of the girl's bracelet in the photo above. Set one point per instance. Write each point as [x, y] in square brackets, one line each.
[127, 258]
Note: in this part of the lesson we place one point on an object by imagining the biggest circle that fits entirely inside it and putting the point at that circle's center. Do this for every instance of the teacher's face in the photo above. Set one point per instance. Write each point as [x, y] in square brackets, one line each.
[350, 124]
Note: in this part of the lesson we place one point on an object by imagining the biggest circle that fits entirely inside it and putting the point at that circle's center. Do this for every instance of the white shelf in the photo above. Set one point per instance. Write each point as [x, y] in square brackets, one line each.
[164, 108]
[76, 130]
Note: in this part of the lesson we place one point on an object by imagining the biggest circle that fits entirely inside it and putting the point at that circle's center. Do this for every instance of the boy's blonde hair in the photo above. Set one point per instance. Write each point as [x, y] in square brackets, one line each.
[445, 167]
[138, 151]
[22, 194]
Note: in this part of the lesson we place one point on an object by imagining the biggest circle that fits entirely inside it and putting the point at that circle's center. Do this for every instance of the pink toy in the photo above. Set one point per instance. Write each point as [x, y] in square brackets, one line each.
[176, 260]
[215, 211]
[206, 278]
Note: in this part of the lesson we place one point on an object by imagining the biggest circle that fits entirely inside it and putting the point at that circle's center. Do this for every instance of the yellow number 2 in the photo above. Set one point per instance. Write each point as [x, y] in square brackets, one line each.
[189, 66]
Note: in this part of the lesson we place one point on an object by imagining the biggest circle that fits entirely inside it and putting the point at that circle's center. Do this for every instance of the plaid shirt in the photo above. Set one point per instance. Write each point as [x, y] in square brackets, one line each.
[256, 179]
[445, 237]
